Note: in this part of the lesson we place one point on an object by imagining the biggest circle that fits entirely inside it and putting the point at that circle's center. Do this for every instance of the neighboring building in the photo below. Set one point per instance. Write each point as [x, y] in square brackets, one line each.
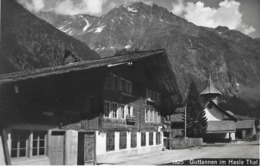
[177, 123]
[245, 128]
[221, 124]
[75, 113]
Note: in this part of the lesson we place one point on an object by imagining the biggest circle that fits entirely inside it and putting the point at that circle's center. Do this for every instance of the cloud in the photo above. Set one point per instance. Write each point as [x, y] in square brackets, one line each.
[66, 7]
[92, 7]
[32, 5]
[178, 8]
[247, 30]
[227, 14]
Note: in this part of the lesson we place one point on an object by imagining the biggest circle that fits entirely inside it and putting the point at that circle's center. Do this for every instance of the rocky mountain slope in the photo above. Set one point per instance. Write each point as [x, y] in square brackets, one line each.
[231, 57]
[28, 43]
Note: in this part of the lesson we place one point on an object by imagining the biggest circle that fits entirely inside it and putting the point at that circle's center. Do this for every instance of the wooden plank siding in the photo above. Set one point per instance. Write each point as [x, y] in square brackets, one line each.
[137, 99]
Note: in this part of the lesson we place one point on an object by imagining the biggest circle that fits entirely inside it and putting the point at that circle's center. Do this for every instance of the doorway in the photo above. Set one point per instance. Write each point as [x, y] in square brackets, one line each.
[86, 148]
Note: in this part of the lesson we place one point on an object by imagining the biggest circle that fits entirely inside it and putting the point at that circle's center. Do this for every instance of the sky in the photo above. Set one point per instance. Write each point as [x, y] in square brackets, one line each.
[242, 15]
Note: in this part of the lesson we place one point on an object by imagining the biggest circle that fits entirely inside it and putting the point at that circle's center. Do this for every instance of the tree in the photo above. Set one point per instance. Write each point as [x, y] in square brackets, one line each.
[196, 121]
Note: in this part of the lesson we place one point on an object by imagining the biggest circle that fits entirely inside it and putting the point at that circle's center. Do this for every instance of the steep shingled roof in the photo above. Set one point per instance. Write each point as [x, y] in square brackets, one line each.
[210, 89]
[221, 126]
[245, 124]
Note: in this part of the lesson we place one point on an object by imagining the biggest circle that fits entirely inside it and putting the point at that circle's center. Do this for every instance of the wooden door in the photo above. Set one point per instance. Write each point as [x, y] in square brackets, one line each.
[57, 144]
[86, 148]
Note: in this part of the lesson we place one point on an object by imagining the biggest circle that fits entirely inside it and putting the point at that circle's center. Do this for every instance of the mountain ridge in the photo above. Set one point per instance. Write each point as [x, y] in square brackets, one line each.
[231, 57]
[28, 43]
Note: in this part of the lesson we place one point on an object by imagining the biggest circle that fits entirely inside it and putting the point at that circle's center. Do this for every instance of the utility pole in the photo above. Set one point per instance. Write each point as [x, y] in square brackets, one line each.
[185, 122]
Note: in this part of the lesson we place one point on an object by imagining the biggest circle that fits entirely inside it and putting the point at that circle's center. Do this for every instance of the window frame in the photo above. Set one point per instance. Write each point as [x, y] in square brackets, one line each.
[29, 148]
[38, 139]
[18, 141]
[109, 108]
[114, 110]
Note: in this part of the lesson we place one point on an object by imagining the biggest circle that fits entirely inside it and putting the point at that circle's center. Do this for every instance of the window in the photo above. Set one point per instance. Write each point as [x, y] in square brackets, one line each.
[151, 116]
[106, 108]
[129, 111]
[110, 141]
[155, 117]
[143, 138]
[122, 140]
[19, 143]
[114, 110]
[39, 143]
[108, 82]
[123, 84]
[154, 96]
[122, 111]
[117, 83]
[128, 87]
[133, 139]
[115, 87]
[147, 115]
[158, 138]
[150, 138]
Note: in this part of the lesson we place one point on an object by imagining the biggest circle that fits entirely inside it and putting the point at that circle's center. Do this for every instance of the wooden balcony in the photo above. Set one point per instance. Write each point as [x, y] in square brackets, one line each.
[130, 120]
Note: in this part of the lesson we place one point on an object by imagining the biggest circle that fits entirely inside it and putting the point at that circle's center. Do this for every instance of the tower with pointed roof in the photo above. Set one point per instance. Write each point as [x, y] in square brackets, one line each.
[210, 93]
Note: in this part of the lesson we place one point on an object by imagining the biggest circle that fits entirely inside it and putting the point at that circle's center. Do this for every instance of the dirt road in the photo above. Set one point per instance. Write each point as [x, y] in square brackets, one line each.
[238, 150]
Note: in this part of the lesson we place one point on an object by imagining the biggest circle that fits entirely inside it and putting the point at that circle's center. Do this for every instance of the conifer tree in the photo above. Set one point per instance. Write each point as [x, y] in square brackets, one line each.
[196, 121]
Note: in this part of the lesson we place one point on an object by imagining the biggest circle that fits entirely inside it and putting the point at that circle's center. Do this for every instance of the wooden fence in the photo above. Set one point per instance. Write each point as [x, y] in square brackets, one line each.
[182, 143]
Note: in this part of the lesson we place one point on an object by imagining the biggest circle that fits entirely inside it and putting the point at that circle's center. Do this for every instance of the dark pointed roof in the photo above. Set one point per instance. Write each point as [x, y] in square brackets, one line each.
[210, 89]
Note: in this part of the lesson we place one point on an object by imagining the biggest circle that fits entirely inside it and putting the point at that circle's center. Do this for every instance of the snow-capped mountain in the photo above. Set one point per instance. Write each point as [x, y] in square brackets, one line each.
[231, 57]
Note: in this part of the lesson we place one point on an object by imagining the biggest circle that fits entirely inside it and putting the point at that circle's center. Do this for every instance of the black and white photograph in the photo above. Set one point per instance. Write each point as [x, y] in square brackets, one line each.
[129, 82]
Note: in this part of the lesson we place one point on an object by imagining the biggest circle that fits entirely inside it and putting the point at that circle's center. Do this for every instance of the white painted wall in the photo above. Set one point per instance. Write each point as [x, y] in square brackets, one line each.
[117, 134]
[233, 136]
[138, 137]
[100, 142]
[128, 140]
[71, 147]
[154, 138]
[147, 138]
[213, 114]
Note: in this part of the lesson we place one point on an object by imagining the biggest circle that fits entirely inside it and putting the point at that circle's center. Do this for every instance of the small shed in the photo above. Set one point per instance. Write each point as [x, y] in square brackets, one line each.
[245, 128]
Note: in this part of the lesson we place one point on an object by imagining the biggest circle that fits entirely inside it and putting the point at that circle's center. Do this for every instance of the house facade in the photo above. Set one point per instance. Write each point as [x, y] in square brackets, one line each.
[221, 124]
[87, 111]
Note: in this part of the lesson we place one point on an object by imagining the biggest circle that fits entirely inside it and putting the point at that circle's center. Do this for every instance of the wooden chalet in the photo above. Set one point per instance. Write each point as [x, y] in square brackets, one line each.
[87, 111]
